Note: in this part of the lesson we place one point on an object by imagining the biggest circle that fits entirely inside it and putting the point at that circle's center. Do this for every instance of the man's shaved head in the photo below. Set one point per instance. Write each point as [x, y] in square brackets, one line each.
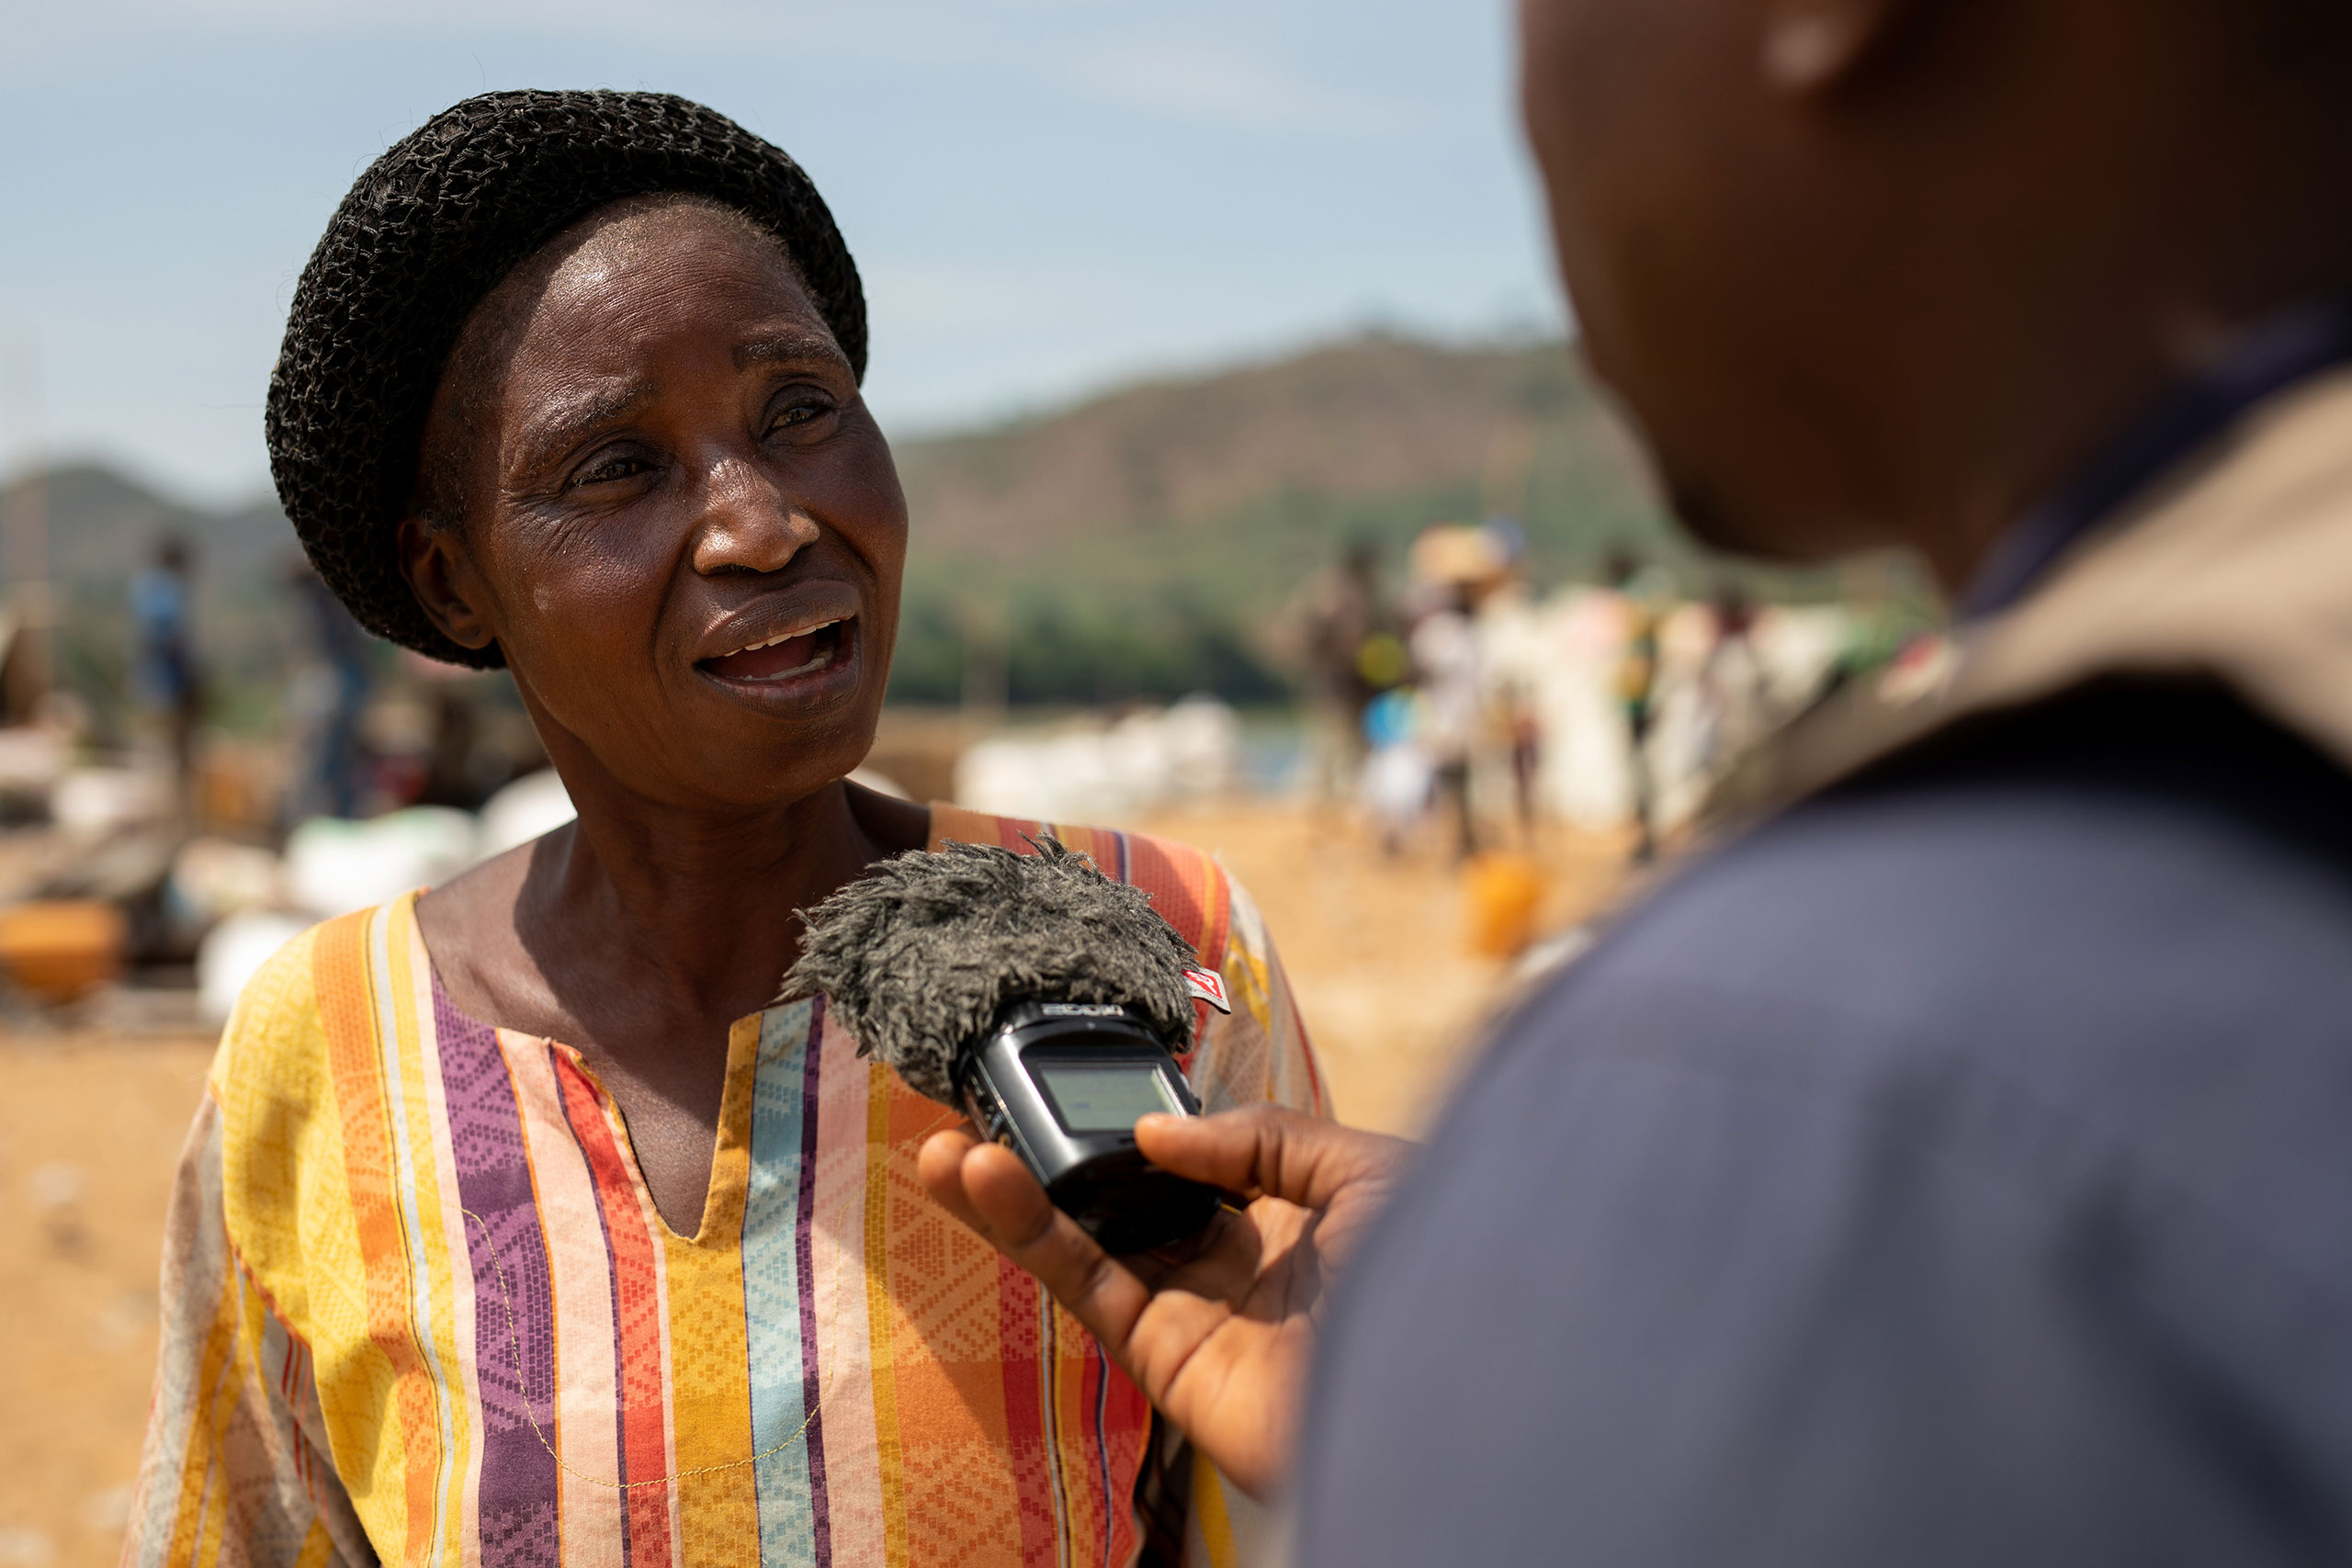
[1877, 271]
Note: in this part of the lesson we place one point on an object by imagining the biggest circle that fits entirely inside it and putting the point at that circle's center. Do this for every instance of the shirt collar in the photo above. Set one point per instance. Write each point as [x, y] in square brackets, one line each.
[2265, 359]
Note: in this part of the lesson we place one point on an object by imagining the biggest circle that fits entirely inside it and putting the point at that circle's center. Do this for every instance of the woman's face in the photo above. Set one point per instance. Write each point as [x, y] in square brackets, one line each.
[675, 514]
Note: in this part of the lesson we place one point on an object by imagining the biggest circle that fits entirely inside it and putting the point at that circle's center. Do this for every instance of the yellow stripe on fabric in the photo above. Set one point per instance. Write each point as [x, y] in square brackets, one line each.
[415, 1196]
[216, 1511]
[214, 1398]
[291, 1200]
[1248, 977]
[318, 1548]
[238, 1378]
[448, 1254]
[1209, 1513]
[877, 1314]
[710, 1383]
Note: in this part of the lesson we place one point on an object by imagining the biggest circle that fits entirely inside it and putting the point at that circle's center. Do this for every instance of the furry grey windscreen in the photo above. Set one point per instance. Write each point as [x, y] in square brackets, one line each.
[919, 956]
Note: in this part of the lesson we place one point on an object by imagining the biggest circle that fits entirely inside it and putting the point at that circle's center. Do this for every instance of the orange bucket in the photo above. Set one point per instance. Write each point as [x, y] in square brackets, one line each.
[1504, 893]
[59, 951]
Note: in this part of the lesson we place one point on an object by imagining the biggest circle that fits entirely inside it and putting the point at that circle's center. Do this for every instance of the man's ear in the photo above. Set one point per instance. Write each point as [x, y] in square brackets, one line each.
[1817, 46]
[444, 580]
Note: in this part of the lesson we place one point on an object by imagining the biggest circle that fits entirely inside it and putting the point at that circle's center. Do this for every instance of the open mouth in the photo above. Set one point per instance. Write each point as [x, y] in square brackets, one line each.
[782, 659]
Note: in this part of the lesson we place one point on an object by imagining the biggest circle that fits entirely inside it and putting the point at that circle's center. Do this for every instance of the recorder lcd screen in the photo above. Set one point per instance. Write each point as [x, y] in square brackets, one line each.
[1099, 1096]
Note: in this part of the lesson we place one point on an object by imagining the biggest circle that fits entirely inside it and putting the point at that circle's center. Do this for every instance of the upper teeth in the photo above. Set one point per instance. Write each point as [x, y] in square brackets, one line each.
[784, 637]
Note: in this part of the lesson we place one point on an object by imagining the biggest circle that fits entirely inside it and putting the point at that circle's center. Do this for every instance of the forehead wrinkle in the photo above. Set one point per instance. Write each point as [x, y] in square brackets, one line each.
[789, 348]
[568, 420]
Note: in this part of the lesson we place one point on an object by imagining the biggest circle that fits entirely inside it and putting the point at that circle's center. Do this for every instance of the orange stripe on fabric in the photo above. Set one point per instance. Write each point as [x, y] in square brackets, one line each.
[1074, 1465]
[636, 1296]
[1049, 1382]
[1165, 870]
[1096, 845]
[877, 1312]
[953, 824]
[945, 1364]
[347, 1011]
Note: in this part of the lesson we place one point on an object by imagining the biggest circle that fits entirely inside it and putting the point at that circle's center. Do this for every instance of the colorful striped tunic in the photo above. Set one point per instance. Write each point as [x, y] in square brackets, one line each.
[420, 1308]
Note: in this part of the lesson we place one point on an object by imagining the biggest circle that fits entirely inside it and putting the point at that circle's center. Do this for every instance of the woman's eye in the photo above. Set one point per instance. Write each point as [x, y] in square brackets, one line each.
[801, 411]
[606, 470]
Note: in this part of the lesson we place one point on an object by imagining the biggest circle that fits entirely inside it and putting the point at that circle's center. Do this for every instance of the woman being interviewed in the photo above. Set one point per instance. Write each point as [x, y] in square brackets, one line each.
[517, 1224]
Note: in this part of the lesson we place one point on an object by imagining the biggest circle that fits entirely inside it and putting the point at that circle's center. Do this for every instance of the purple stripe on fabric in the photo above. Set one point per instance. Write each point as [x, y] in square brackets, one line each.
[514, 1305]
[811, 1385]
[1102, 1370]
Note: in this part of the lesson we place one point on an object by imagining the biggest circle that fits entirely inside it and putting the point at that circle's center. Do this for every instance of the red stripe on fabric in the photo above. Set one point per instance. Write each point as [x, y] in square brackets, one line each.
[1189, 890]
[1171, 874]
[1127, 1414]
[1090, 1420]
[1217, 928]
[347, 1013]
[637, 1315]
[1025, 1415]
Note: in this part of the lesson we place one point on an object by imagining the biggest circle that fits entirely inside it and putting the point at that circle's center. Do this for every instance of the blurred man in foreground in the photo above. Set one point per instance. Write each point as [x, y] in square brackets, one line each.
[1956, 1167]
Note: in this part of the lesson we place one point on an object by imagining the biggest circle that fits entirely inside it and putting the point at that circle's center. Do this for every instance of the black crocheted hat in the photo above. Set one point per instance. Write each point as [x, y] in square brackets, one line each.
[430, 230]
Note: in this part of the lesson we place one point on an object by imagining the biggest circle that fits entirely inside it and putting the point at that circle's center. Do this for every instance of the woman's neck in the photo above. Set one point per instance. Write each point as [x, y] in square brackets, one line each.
[644, 923]
[639, 933]
[698, 905]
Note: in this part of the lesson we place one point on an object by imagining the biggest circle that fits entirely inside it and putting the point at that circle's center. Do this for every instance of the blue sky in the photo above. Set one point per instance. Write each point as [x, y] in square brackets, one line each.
[1045, 196]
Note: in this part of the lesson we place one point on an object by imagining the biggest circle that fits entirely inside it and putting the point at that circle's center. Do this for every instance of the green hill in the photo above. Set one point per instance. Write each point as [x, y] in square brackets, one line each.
[1145, 542]
[103, 526]
[1139, 543]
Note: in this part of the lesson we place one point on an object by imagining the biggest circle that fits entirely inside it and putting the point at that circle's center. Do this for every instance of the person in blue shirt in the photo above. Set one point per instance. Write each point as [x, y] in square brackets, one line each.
[165, 677]
[1953, 1162]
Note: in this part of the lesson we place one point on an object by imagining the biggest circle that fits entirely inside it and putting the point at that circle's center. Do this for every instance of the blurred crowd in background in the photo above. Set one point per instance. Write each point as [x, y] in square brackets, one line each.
[1443, 707]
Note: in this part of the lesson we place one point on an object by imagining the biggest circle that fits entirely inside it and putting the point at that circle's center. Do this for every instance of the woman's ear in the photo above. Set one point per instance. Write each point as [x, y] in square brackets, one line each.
[441, 574]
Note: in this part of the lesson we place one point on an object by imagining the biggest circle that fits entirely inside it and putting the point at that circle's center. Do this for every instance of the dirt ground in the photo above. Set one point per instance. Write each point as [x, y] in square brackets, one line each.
[90, 1128]
[90, 1123]
[1377, 948]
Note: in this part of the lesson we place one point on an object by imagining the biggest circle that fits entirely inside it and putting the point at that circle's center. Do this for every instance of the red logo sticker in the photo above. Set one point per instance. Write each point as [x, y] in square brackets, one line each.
[1208, 986]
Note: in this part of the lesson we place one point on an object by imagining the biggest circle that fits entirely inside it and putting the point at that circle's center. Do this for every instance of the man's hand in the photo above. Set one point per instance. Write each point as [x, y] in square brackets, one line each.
[1217, 1331]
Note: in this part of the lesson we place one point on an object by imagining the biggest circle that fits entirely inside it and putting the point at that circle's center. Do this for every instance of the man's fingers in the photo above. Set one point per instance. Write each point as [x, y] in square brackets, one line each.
[940, 1165]
[1267, 1149]
[993, 1192]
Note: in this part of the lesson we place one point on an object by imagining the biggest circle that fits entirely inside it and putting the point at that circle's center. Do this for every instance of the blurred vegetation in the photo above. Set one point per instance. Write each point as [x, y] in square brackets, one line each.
[1143, 544]
[1138, 602]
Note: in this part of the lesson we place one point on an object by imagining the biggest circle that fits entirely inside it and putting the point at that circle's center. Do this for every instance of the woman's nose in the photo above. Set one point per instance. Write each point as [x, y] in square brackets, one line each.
[748, 524]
